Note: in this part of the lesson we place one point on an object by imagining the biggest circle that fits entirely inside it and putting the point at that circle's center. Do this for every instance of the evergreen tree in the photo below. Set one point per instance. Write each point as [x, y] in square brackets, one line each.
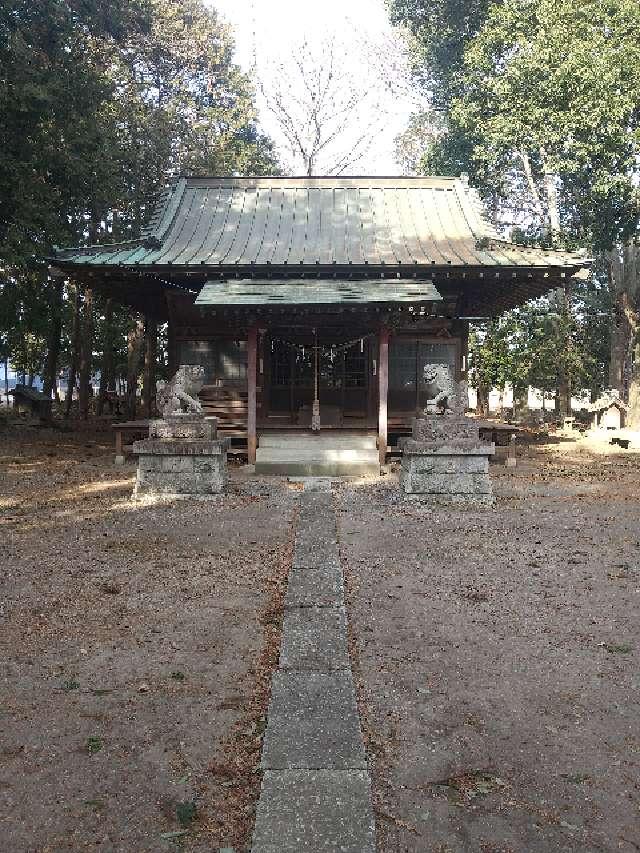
[101, 104]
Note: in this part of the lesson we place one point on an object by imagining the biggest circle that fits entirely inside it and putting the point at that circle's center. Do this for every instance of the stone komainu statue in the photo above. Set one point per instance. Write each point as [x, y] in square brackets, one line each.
[180, 394]
[446, 395]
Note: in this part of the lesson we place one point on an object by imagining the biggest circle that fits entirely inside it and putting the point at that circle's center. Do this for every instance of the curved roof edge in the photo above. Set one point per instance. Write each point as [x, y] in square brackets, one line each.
[311, 223]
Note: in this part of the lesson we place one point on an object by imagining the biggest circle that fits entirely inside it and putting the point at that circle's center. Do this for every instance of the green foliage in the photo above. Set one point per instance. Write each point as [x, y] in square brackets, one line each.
[552, 82]
[537, 96]
[440, 31]
[558, 335]
[101, 104]
[24, 322]
[539, 102]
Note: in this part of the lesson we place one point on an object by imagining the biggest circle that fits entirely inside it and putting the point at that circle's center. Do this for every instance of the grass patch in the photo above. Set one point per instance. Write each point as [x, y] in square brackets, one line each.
[618, 648]
[186, 812]
[94, 744]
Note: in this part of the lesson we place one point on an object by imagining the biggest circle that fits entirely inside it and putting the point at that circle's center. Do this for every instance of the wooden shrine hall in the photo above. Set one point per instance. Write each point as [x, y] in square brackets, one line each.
[338, 289]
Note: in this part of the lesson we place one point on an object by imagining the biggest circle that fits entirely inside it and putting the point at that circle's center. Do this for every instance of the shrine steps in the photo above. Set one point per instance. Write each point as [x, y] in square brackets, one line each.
[318, 455]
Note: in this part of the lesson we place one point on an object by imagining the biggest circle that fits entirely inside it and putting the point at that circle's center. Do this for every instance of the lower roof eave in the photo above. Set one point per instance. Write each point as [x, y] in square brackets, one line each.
[324, 271]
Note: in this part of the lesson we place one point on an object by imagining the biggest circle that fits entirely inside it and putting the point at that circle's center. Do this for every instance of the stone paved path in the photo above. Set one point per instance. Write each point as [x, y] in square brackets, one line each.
[316, 790]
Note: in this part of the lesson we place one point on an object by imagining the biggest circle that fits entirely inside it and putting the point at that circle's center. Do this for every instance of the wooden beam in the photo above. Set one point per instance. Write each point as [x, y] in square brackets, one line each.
[383, 390]
[252, 377]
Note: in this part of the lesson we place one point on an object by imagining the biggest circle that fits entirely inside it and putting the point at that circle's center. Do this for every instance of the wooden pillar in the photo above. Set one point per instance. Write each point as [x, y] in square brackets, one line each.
[86, 351]
[252, 381]
[383, 388]
[150, 359]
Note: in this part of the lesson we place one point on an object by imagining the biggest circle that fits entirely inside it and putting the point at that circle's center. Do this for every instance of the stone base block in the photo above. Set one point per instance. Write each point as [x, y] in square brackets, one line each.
[435, 500]
[444, 428]
[187, 426]
[448, 474]
[197, 468]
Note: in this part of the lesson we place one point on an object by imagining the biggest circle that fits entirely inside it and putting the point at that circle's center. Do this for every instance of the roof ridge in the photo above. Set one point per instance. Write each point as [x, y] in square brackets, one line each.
[188, 176]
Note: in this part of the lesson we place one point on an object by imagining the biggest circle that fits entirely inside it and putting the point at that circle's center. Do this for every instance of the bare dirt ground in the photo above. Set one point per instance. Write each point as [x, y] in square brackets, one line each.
[495, 651]
[496, 656]
[136, 651]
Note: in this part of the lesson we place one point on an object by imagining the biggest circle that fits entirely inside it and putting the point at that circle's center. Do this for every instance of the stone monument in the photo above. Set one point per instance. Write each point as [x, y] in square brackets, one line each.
[183, 455]
[445, 461]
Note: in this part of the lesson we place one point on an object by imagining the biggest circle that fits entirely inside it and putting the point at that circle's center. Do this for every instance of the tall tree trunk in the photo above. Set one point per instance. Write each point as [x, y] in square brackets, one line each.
[86, 352]
[553, 198]
[633, 413]
[107, 368]
[75, 349]
[563, 394]
[135, 338]
[563, 377]
[563, 384]
[6, 380]
[520, 400]
[482, 400]
[150, 360]
[50, 371]
[624, 282]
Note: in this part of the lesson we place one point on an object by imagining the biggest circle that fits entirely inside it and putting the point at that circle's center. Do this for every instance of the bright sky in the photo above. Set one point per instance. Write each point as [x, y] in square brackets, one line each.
[269, 30]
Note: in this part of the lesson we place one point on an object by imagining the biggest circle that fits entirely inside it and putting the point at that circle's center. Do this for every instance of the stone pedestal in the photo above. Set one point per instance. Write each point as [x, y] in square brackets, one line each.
[445, 461]
[181, 457]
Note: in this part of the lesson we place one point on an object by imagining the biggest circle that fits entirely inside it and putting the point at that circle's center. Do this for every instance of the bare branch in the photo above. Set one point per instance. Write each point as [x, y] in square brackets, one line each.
[327, 118]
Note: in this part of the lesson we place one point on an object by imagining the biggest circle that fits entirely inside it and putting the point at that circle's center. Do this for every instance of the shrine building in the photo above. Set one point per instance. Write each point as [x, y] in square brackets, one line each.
[335, 289]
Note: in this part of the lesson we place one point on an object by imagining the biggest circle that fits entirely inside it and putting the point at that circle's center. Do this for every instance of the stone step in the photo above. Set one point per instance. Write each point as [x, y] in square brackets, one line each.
[316, 468]
[316, 454]
[319, 440]
[302, 455]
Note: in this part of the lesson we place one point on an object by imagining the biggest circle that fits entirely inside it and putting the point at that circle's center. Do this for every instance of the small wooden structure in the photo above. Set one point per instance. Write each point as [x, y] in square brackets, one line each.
[321, 293]
[608, 412]
[128, 430]
[32, 401]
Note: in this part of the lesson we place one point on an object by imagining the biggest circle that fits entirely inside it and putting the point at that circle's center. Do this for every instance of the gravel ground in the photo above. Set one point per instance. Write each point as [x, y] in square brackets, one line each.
[495, 654]
[136, 652]
[496, 658]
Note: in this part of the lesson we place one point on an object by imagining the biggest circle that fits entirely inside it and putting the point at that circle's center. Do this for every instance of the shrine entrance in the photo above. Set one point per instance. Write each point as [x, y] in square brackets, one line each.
[329, 365]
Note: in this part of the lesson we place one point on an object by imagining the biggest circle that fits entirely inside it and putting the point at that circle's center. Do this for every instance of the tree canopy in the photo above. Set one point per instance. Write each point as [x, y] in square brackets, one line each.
[101, 104]
[539, 102]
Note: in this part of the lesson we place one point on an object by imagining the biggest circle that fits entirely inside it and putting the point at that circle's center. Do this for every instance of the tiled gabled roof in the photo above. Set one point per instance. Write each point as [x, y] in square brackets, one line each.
[319, 222]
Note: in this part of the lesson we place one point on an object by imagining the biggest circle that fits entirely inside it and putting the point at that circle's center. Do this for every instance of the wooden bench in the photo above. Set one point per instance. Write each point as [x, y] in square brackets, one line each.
[130, 430]
[34, 402]
[500, 434]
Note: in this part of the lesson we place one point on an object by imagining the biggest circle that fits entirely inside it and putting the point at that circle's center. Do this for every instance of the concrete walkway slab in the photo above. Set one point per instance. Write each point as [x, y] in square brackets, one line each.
[322, 587]
[314, 811]
[315, 484]
[313, 723]
[314, 504]
[315, 638]
[314, 534]
[315, 554]
[315, 524]
[316, 789]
